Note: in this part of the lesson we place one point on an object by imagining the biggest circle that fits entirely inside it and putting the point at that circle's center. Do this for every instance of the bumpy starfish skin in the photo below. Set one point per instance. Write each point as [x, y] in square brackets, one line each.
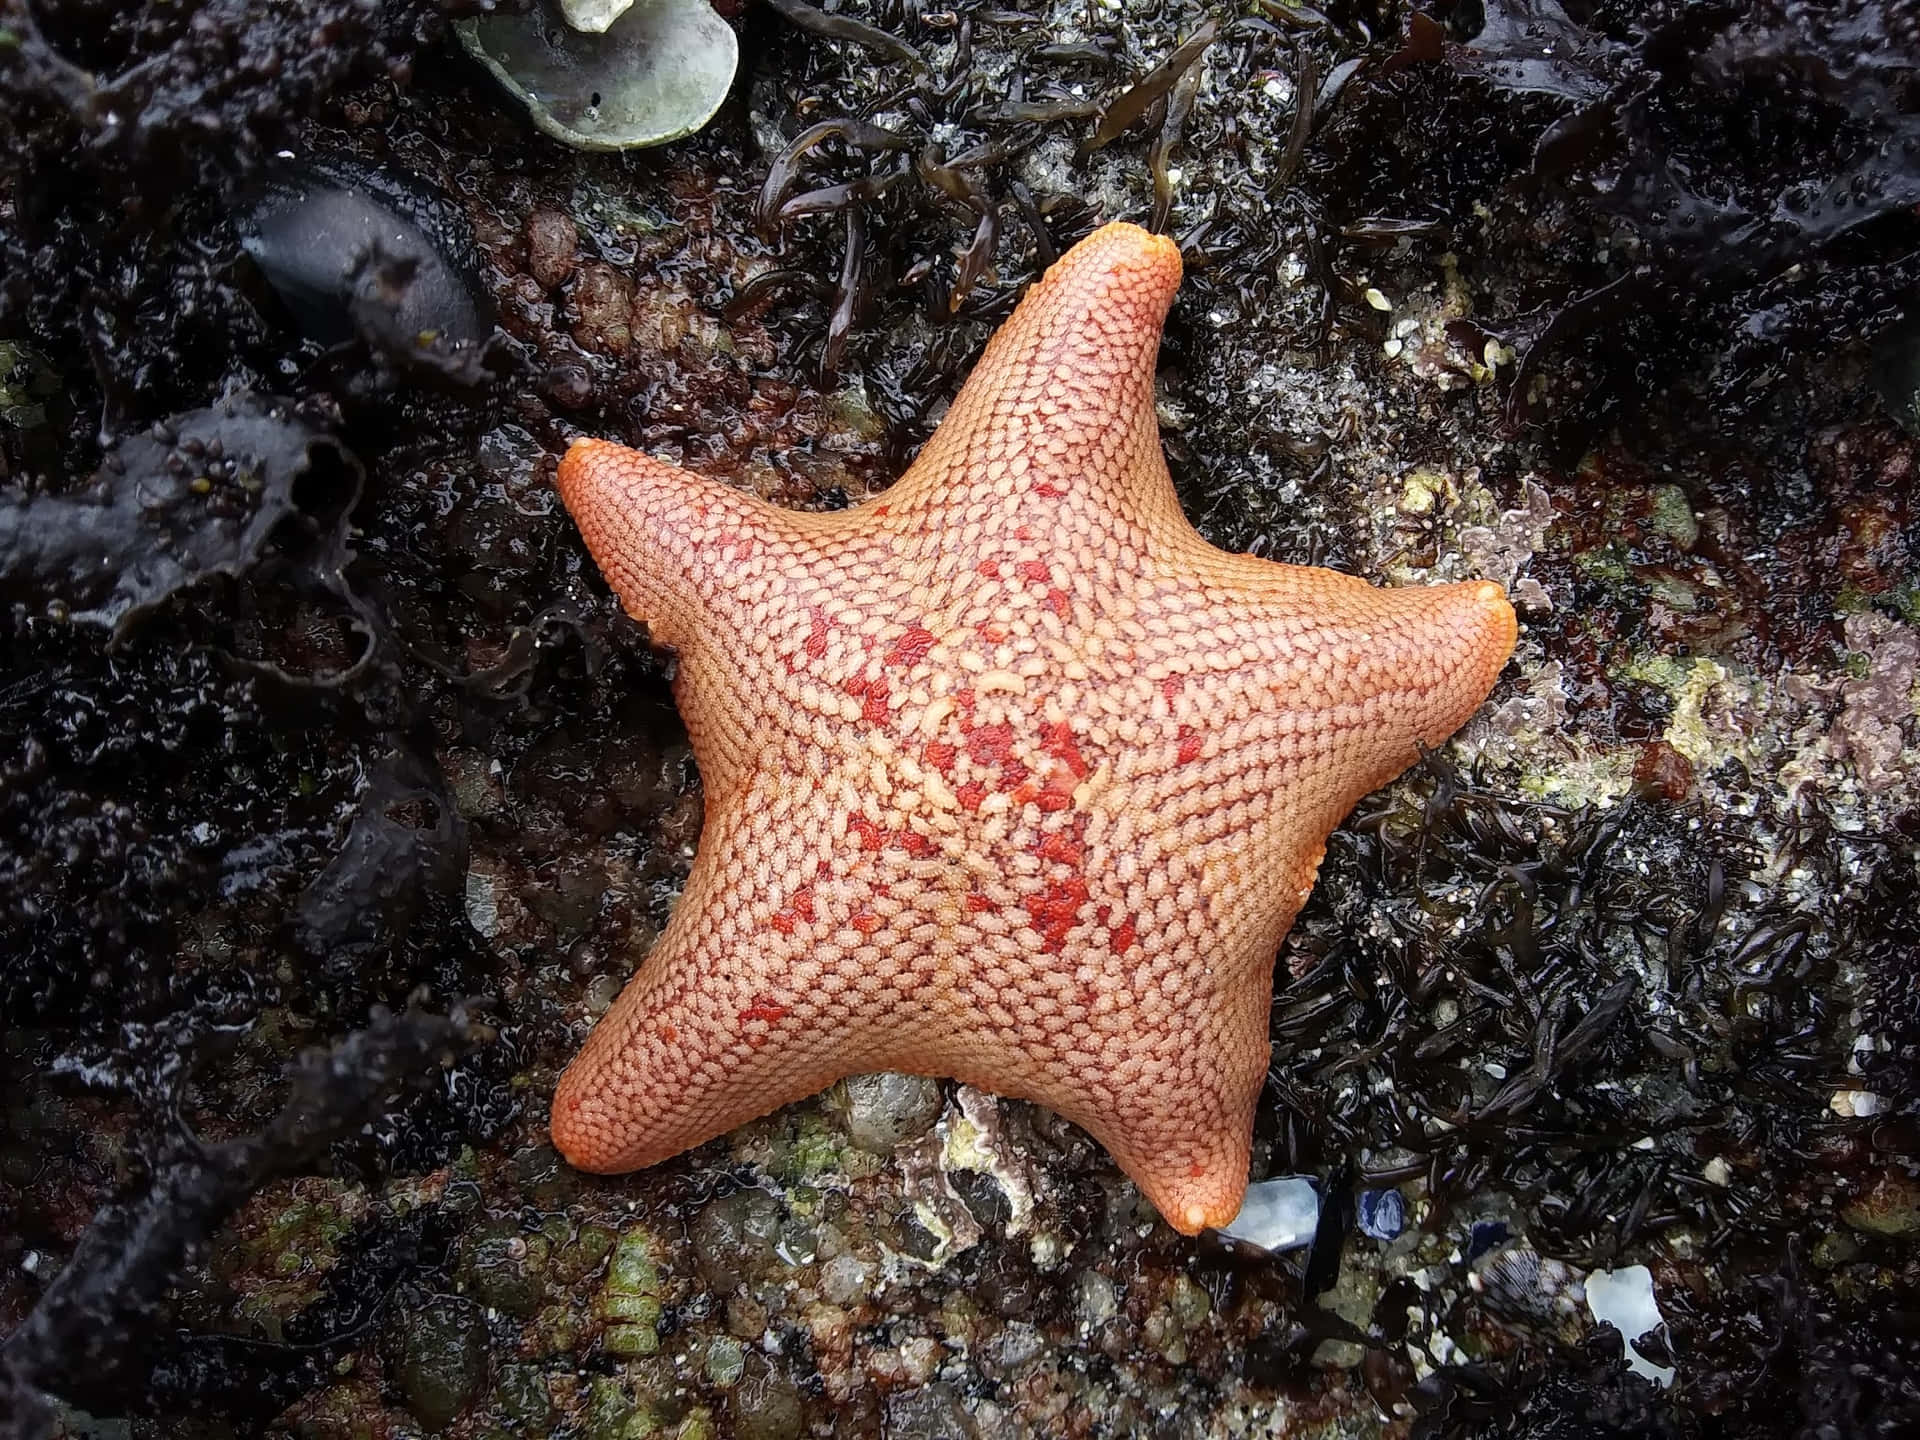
[1010, 775]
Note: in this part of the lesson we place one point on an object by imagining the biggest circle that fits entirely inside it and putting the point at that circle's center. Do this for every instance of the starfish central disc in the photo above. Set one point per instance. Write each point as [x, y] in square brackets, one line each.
[1010, 776]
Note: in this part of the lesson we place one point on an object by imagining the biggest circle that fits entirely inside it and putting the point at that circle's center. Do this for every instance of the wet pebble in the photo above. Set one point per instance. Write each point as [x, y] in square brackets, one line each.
[746, 1316]
[1661, 772]
[736, 1239]
[522, 1397]
[934, 1412]
[552, 239]
[1890, 1208]
[764, 1405]
[602, 309]
[883, 1111]
[1096, 1301]
[726, 1361]
[1008, 1283]
[502, 1268]
[441, 1349]
[1016, 1344]
[610, 1411]
[843, 1280]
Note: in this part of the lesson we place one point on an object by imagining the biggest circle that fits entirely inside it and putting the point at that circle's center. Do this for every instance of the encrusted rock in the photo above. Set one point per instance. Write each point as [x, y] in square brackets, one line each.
[882, 1111]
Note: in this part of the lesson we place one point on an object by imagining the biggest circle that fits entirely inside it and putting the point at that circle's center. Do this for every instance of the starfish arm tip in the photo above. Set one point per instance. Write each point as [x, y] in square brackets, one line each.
[1195, 1195]
[1501, 624]
[1199, 1217]
[572, 1131]
[664, 538]
[1120, 243]
[1209, 1205]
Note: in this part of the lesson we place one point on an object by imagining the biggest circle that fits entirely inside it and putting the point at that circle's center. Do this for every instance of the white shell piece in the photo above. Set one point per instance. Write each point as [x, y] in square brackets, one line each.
[658, 74]
[1624, 1299]
[594, 16]
[1278, 1214]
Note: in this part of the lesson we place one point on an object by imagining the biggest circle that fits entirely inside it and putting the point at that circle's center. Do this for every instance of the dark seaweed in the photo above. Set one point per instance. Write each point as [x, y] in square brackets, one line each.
[201, 494]
[317, 225]
[407, 844]
[75, 1343]
[842, 27]
[1742, 148]
[1133, 102]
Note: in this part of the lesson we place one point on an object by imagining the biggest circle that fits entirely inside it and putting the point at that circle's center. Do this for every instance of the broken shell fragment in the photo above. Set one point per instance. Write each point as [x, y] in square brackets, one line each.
[1278, 1214]
[594, 16]
[659, 72]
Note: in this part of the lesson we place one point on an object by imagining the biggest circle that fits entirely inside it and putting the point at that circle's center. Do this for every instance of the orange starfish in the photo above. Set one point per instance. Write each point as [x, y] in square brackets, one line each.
[1010, 775]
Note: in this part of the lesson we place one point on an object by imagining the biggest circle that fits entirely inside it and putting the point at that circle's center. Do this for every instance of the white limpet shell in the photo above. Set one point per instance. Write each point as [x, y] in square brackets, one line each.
[594, 16]
[658, 74]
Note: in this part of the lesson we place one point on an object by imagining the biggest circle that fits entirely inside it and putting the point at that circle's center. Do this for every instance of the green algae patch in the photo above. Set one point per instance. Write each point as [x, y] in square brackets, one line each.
[278, 1266]
[613, 1414]
[1672, 515]
[1703, 692]
[811, 1145]
[522, 1399]
[629, 1298]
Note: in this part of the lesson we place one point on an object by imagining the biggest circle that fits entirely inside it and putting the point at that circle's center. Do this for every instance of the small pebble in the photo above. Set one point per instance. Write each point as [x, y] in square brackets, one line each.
[1097, 1300]
[1855, 1104]
[602, 305]
[843, 1280]
[483, 907]
[552, 240]
[736, 1239]
[443, 1357]
[764, 1405]
[885, 1110]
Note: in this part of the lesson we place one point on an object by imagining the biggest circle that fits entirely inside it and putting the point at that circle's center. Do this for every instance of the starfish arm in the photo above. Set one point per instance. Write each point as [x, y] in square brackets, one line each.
[1277, 698]
[729, 1016]
[1369, 673]
[1164, 1072]
[673, 545]
[1056, 422]
[1381, 672]
[680, 551]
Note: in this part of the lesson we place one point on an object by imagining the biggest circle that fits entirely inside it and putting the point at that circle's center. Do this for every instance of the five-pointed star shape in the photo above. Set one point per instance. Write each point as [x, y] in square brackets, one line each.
[1010, 776]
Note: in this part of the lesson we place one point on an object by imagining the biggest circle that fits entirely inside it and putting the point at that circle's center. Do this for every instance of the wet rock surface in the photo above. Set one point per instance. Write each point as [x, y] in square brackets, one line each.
[1623, 976]
[439, 1355]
